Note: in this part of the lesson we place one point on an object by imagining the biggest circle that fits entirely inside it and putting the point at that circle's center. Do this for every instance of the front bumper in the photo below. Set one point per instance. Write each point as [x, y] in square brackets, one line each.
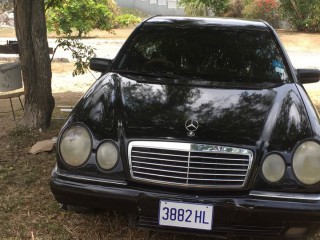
[253, 213]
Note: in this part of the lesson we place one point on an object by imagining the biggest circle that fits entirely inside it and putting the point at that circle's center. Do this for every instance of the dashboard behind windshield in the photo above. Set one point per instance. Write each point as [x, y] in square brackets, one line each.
[222, 55]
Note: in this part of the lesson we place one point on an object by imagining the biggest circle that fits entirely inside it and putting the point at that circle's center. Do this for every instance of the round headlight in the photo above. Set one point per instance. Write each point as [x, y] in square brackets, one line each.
[306, 163]
[107, 155]
[75, 146]
[273, 168]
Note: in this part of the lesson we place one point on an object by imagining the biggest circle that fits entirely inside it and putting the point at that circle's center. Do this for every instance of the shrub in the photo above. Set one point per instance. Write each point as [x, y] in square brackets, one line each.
[81, 15]
[235, 9]
[66, 16]
[266, 10]
[205, 7]
[126, 20]
[303, 15]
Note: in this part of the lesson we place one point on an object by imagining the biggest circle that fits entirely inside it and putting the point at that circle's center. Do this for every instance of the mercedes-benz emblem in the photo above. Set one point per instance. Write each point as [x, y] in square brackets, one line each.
[191, 126]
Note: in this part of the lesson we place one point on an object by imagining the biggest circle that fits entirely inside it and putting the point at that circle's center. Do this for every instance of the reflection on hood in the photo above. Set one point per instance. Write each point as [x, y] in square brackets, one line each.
[117, 105]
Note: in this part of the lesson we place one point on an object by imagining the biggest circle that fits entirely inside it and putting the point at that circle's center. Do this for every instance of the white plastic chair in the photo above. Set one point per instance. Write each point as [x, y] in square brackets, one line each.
[11, 83]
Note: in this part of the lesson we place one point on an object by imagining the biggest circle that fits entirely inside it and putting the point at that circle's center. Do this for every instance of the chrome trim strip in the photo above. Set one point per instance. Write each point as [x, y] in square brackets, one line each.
[89, 179]
[159, 175]
[219, 149]
[222, 164]
[159, 159]
[188, 169]
[162, 145]
[281, 196]
[191, 148]
[219, 180]
[162, 154]
[229, 159]
[160, 170]
[157, 164]
[220, 169]
[217, 174]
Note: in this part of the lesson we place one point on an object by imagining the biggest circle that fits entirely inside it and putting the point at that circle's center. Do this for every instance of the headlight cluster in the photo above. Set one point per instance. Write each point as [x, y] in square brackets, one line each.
[76, 146]
[107, 155]
[305, 164]
[273, 168]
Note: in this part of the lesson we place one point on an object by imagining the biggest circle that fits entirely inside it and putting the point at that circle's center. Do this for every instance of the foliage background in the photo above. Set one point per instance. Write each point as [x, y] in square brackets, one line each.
[81, 16]
[301, 14]
[75, 18]
[204, 7]
[304, 15]
[267, 10]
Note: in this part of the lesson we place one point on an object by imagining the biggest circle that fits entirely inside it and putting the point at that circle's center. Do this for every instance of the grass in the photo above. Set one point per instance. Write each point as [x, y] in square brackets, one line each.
[29, 210]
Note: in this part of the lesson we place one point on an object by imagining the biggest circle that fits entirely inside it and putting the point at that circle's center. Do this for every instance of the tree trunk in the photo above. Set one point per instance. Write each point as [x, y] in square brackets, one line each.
[296, 9]
[31, 33]
[206, 11]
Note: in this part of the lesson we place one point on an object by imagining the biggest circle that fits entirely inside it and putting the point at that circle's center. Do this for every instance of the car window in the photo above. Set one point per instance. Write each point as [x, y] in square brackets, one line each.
[225, 55]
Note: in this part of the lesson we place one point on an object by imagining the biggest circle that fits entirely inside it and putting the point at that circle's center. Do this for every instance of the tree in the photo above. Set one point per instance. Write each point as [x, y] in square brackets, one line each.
[303, 15]
[267, 10]
[81, 15]
[202, 7]
[65, 16]
[31, 33]
[235, 9]
[6, 6]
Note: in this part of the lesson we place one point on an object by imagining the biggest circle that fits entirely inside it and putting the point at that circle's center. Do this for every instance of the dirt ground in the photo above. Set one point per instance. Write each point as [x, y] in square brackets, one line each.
[8, 32]
[67, 90]
[27, 207]
[302, 42]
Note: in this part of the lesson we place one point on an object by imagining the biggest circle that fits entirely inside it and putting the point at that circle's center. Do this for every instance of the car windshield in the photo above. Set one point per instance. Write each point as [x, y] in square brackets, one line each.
[215, 54]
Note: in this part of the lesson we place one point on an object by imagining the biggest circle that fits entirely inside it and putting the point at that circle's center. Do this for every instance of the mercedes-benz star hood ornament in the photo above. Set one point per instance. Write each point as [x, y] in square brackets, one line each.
[192, 126]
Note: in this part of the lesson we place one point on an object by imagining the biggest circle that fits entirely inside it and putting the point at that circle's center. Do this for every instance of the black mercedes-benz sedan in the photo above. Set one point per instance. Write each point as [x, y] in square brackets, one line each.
[198, 125]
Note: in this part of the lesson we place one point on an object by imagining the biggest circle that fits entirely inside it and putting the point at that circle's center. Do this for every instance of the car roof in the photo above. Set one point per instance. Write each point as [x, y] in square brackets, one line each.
[204, 21]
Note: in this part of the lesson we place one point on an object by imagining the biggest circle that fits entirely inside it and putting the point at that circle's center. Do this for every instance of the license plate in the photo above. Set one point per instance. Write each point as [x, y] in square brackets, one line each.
[187, 215]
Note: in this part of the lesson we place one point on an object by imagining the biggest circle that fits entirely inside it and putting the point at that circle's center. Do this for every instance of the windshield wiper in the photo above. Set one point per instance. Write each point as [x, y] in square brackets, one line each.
[162, 76]
[147, 74]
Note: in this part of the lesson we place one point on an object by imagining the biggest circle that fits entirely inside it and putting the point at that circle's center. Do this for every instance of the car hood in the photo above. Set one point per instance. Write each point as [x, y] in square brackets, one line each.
[159, 110]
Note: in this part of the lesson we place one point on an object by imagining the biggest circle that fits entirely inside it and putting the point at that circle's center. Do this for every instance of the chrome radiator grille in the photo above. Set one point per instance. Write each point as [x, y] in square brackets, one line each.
[188, 164]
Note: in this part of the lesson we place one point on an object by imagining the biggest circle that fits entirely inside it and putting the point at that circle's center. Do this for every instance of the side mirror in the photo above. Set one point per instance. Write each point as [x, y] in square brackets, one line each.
[100, 64]
[308, 75]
